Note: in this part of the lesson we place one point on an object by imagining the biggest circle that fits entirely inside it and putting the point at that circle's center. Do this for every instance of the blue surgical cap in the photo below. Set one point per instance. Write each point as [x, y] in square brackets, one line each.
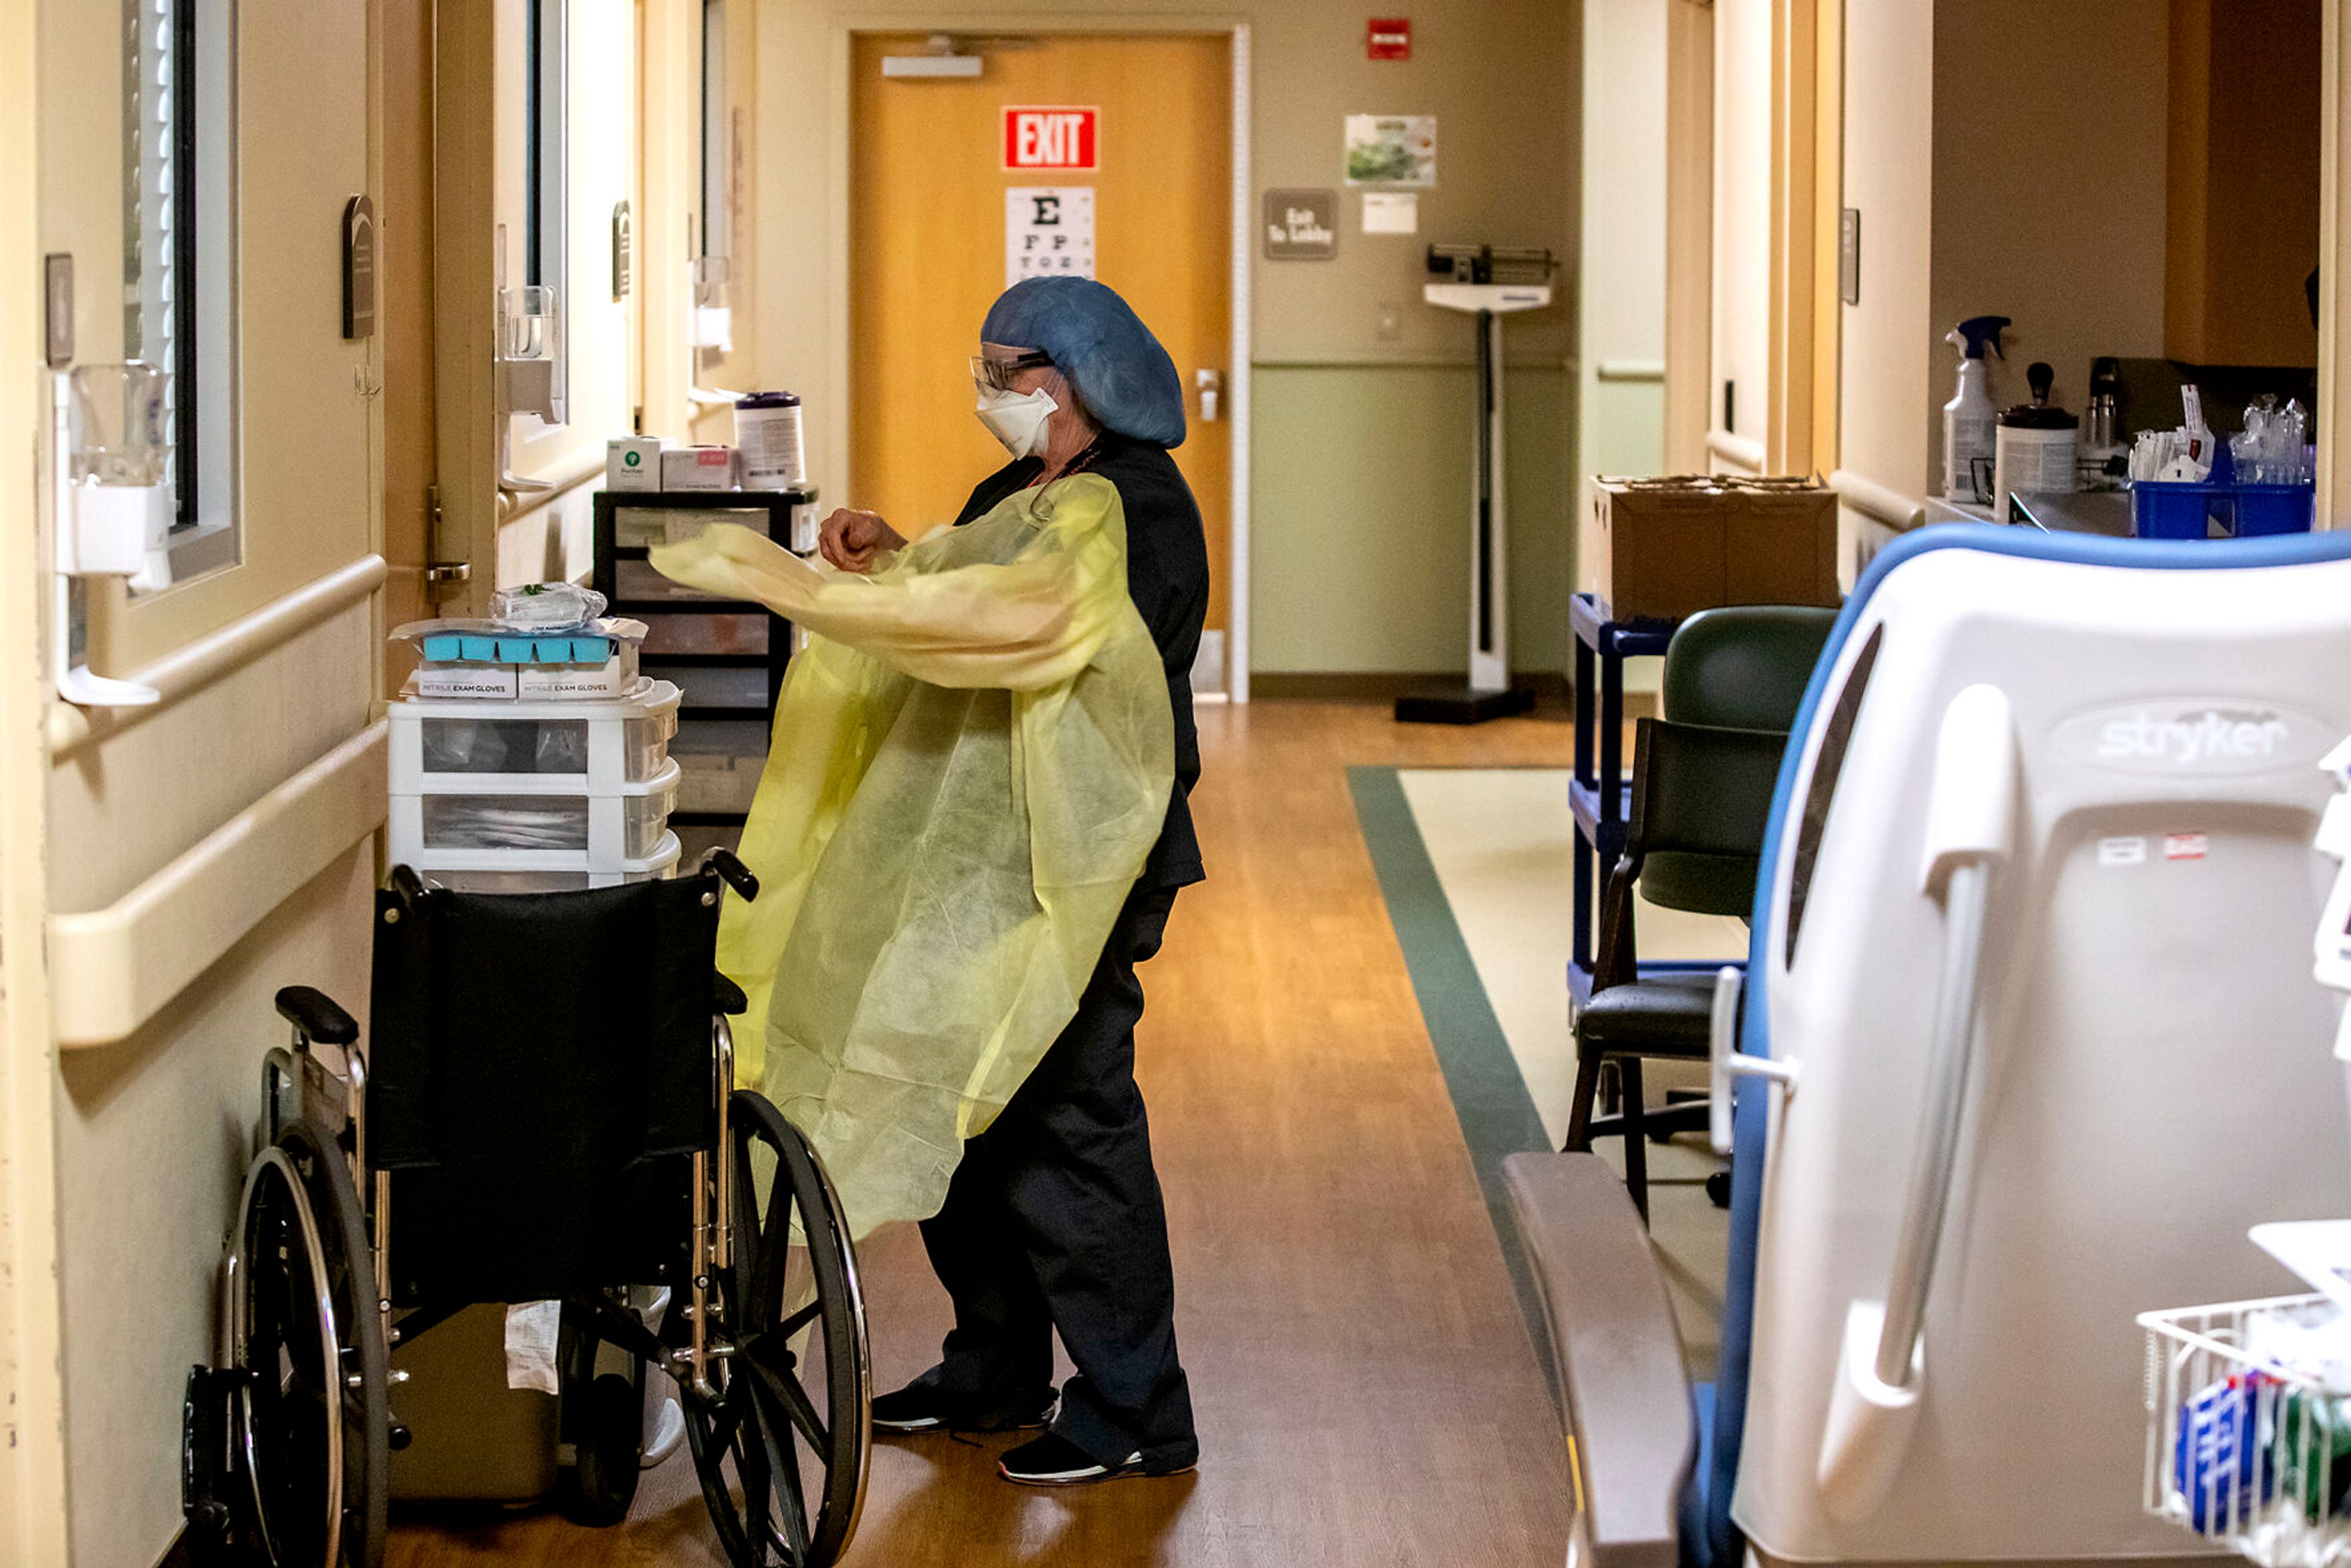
[1095, 340]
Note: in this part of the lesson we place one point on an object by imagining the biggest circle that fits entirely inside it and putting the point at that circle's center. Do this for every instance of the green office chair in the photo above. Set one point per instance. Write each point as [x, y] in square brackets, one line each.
[1702, 783]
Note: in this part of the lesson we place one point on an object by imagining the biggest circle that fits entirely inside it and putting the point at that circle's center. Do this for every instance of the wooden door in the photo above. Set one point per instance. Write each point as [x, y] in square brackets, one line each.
[405, 314]
[927, 249]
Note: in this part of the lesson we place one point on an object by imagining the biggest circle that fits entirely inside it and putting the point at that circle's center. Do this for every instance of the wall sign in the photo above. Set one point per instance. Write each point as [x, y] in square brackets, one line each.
[358, 267]
[1392, 149]
[1049, 232]
[1038, 137]
[1302, 225]
[1389, 38]
[1391, 211]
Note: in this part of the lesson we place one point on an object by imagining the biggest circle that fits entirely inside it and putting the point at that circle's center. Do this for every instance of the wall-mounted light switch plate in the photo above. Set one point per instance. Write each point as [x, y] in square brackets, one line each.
[1849, 255]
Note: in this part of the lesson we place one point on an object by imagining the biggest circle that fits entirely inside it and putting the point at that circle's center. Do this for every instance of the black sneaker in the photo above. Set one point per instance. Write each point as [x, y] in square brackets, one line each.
[1052, 1460]
[917, 1408]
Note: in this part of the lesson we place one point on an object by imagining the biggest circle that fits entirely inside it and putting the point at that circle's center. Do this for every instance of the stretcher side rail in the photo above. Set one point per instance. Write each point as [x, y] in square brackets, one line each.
[1632, 1433]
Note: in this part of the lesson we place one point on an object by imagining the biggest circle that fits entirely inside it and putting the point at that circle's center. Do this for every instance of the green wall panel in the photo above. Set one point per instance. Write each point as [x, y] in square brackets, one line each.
[1359, 523]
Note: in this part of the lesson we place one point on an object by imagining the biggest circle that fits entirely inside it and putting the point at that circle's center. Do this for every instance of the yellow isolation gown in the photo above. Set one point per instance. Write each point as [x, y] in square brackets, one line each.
[970, 761]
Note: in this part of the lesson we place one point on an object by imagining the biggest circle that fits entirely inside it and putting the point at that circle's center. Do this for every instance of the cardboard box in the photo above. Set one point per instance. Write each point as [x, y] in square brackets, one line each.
[701, 469]
[1666, 547]
[633, 462]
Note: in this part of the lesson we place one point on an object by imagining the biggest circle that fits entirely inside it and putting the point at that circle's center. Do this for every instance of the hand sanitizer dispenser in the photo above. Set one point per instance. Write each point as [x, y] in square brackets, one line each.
[120, 504]
[113, 514]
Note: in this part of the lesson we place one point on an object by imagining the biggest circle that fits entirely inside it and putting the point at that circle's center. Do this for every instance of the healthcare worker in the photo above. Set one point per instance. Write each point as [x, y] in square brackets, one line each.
[1053, 1220]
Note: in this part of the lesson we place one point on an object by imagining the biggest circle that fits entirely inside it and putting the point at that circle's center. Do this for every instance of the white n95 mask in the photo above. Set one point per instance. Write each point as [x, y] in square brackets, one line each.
[1017, 419]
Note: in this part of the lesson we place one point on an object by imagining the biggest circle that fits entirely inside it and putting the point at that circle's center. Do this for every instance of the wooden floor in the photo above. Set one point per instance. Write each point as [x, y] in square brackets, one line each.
[1366, 1390]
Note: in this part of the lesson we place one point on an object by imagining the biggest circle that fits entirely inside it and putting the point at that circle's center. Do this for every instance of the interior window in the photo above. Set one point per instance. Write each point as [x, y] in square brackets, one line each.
[713, 325]
[179, 254]
[714, 236]
[1826, 768]
[537, 318]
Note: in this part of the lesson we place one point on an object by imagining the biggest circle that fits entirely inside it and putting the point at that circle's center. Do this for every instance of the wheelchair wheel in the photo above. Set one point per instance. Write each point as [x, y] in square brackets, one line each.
[602, 1437]
[311, 1422]
[781, 1447]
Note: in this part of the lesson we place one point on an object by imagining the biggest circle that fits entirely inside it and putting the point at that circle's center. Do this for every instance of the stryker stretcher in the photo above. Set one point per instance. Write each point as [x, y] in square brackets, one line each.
[2030, 1038]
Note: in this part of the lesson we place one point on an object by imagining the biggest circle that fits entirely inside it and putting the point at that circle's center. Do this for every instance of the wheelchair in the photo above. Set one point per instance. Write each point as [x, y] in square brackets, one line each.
[543, 1111]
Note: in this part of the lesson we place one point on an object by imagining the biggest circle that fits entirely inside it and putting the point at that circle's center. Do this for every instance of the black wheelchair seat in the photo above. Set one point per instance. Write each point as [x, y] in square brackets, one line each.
[541, 1072]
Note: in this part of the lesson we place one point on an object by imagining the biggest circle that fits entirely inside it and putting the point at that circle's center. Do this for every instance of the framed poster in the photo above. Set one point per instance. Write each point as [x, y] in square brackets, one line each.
[1392, 149]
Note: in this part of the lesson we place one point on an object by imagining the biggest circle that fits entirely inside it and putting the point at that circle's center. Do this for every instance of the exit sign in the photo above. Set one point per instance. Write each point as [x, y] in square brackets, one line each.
[1389, 38]
[1049, 138]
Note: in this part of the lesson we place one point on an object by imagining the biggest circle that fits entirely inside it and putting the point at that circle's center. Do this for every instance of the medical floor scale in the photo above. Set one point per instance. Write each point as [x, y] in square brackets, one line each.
[1488, 284]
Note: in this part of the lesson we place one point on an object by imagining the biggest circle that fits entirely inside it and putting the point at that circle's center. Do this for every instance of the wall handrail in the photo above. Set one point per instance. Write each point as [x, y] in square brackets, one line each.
[1739, 451]
[190, 668]
[1630, 369]
[1875, 502]
[562, 482]
[113, 969]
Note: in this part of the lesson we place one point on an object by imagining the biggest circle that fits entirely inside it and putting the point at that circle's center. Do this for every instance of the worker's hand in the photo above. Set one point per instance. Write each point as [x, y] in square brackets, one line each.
[851, 540]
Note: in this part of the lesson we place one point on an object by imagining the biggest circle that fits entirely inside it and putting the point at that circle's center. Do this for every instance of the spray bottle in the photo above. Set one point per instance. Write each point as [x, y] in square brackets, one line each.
[1967, 417]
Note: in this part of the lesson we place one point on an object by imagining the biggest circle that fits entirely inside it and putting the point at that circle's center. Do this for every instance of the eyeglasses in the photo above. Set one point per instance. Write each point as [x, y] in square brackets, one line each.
[999, 373]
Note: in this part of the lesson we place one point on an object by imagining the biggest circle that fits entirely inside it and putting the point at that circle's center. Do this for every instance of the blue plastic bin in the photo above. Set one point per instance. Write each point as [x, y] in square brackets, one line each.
[2274, 510]
[2178, 511]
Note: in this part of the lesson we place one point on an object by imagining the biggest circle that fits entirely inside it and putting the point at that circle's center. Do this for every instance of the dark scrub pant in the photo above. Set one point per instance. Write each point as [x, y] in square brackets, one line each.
[1054, 1220]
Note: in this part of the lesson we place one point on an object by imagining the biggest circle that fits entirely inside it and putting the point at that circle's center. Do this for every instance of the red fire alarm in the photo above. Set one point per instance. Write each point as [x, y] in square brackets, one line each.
[1390, 38]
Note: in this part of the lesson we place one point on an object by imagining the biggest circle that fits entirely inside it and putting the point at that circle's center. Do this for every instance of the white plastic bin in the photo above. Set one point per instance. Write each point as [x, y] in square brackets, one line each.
[570, 746]
[660, 863]
[518, 828]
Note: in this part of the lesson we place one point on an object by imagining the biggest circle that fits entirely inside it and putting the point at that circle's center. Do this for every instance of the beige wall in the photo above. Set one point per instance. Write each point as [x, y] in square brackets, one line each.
[1621, 301]
[1344, 576]
[150, 1133]
[1888, 373]
[1742, 216]
[2049, 175]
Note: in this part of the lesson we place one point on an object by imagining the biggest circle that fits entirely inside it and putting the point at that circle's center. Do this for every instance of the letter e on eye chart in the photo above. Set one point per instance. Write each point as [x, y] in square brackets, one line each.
[1049, 232]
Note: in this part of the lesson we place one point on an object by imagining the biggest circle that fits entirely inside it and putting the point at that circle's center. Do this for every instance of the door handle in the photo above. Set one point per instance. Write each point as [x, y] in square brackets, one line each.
[1211, 384]
[440, 574]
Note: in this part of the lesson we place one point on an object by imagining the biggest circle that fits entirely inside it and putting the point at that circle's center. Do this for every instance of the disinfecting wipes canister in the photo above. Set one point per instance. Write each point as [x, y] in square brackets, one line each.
[768, 431]
[2031, 458]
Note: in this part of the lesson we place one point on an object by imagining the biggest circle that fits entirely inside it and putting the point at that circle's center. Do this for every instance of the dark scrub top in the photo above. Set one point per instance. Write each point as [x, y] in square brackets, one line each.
[1168, 577]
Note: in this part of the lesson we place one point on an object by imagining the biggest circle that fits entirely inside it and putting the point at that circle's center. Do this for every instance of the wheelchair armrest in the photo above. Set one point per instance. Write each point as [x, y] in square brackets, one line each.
[316, 1015]
[729, 997]
[1618, 1357]
[738, 876]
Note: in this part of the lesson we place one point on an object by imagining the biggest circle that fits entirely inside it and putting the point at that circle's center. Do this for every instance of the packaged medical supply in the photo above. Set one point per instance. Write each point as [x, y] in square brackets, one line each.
[969, 763]
[2186, 485]
[1967, 417]
[633, 462]
[1671, 547]
[482, 659]
[700, 468]
[2214, 1464]
[545, 606]
[2033, 447]
[2315, 1432]
[768, 433]
[2271, 448]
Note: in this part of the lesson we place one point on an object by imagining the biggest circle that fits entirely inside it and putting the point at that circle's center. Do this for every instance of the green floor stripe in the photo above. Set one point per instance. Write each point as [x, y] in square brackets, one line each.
[1489, 1094]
